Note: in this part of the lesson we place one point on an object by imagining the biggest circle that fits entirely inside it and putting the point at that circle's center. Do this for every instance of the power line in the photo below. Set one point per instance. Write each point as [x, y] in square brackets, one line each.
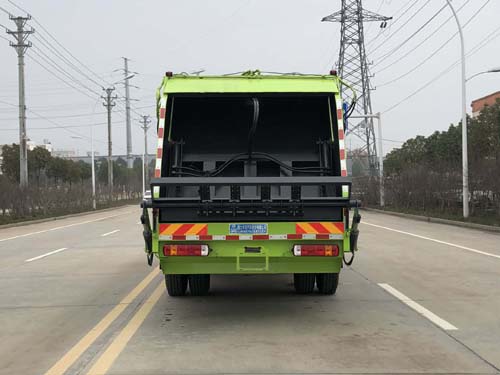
[57, 127]
[392, 140]
[396, 18]
[7, 103]
[60, 69]
[63, 116]
[401, 27]
[6, 11]
[48, 45]
[433, 33]
[435, 52]
[59, 78]
[388, 54]
[477, 48]
[59, 44]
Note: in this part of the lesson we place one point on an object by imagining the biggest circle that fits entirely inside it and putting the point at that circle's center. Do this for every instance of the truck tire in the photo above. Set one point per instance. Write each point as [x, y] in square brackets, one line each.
[176, 285]
[327, 282]
[199, 285]
[304, 282]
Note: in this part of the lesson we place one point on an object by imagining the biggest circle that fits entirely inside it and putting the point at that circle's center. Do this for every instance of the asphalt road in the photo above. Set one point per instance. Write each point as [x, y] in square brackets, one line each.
[76, 297]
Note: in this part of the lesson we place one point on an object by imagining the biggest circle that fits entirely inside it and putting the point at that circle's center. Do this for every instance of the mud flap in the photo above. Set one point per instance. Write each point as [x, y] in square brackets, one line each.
[147, 234]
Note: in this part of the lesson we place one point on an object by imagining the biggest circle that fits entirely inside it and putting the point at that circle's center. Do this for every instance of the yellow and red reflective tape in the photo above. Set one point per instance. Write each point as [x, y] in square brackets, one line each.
[341, 137]
[183, 229]
[161, 134]
[303, 231]
[159, 151]
[319, 228]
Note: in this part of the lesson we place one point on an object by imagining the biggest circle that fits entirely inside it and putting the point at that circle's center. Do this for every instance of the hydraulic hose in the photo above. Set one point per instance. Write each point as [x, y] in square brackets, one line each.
[255, 120]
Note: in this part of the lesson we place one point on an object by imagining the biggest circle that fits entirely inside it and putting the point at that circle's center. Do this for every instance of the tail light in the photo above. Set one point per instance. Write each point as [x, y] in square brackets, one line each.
[316, 250]
[185, 250]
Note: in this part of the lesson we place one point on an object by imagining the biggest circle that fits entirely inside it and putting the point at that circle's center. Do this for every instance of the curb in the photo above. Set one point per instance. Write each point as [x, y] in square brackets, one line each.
[488, 228]
[45, 220]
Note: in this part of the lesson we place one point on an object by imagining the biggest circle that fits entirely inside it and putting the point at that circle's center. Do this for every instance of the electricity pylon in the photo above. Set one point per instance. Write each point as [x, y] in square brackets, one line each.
[353, 68]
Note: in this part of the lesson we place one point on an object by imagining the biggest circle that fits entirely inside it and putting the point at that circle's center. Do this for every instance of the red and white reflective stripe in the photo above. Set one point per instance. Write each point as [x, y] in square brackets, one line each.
[250, 237]
[341, 135]
[161, 134]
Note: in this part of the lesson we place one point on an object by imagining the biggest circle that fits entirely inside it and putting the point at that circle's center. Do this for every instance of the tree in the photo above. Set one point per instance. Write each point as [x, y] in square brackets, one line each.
[10, 164]
[38, 160]
[57, 169]
[102, 170]
[85, 170]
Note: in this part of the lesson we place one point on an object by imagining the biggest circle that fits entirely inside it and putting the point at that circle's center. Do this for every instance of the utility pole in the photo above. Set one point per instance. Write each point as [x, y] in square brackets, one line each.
[130, 162]
[353, 67]
[109, 103]
[21, 45]
[465, 160]
[145, 167]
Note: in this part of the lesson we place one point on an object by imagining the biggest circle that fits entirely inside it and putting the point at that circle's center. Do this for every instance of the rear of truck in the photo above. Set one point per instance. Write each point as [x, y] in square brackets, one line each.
[250, 178]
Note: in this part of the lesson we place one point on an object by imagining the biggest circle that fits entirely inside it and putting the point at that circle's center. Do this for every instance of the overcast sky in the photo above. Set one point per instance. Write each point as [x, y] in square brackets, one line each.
[222, 36]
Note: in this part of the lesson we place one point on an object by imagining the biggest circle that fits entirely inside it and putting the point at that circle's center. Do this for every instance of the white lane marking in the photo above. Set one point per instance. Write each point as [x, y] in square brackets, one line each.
[46, 254]
[419, 308]
[434, 240]
[61, 227]
[107, 234]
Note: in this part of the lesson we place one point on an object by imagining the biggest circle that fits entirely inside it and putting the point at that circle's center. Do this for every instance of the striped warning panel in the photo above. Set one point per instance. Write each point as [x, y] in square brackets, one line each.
[183, 229]
[319, 228]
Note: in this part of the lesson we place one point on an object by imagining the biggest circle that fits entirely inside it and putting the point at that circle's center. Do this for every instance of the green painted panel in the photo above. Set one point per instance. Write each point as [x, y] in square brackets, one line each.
[254, 83]
[228, 265]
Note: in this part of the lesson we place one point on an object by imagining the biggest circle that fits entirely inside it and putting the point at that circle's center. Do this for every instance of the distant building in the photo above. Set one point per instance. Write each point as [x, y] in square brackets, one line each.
[65, 154]
[46, 145]
[479, 104]
[87, 158]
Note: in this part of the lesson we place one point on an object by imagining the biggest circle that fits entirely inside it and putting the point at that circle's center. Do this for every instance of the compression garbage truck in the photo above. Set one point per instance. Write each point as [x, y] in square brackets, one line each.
[250, 178]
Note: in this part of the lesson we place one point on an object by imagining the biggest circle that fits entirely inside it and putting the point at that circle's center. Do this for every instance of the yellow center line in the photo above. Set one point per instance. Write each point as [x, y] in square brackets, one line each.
[76, 351]
[106, 360]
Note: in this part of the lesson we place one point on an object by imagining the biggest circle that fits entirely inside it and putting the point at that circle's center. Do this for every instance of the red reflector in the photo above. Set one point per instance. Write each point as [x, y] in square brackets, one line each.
[322, 236]
[185, 250]
[316, 250]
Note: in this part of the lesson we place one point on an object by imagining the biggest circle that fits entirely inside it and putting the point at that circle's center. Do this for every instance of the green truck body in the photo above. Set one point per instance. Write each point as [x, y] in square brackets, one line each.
[250, 178]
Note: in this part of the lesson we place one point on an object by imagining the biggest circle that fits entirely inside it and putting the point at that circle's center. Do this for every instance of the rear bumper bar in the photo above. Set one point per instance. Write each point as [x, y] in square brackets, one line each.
[337, 191]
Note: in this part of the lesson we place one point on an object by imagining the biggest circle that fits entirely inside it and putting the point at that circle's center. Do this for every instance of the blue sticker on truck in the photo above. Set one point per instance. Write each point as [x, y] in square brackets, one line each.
[248, 228]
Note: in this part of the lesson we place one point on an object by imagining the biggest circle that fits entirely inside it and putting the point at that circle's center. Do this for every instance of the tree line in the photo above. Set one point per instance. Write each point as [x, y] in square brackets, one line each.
[424, 175]
[59, 186]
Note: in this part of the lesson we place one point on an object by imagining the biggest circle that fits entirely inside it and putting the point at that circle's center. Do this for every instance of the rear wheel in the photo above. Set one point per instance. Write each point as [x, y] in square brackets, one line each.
[176, 285]
[304, 282]
[199, 285]
[327, 282]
